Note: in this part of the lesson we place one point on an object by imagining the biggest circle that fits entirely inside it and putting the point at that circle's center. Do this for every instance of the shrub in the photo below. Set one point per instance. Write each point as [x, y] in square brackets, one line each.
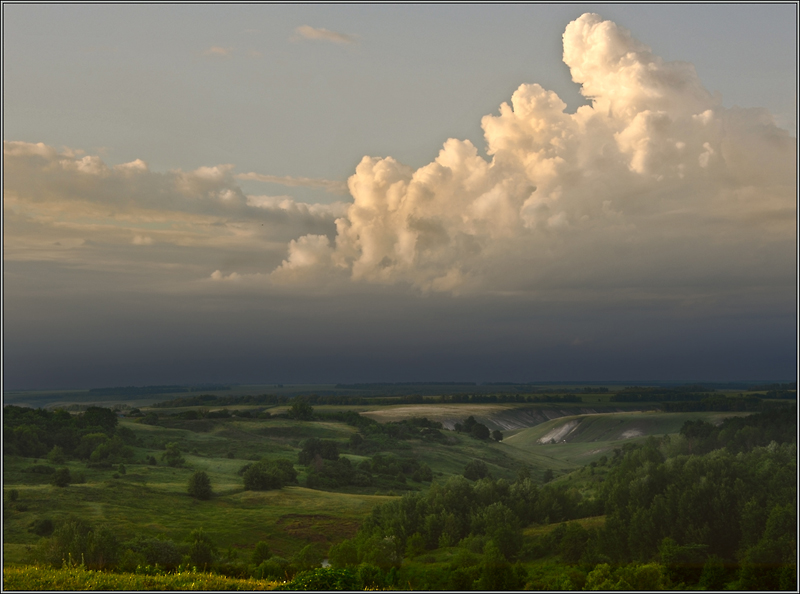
[264, 475]
[42, 469]
[276, 568]
[301, 410]
[261, 553]
[56, 455]
[42, 527]
[307, 558]
[480, 431]
[325, 449]
[172, 455]
[324, 578]
[157, 551]
[62, 478]
[78, 541]
[200, 485]
[344, 554]
[476, 470]
[202, 550]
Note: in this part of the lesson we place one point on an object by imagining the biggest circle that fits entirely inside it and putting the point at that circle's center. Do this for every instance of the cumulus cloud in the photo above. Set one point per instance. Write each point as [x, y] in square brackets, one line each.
[218, 276]
[59, 204]
[320, 34]
[655, 183]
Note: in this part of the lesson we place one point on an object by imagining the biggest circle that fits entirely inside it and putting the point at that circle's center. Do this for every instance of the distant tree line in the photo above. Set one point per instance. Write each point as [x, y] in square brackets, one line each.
[148, 390]
[789, 386]
[719, 403]
[316, 399]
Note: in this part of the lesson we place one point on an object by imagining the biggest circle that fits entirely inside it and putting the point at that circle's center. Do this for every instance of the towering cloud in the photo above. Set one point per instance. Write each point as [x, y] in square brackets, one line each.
[654, 184]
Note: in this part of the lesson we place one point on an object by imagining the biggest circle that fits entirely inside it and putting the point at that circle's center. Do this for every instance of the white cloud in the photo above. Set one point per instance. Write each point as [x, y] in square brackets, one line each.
[218, 276]
[219, 51]
[332, 186]
[61, 205]
[320, 34]
[654, 182]
[142, 240]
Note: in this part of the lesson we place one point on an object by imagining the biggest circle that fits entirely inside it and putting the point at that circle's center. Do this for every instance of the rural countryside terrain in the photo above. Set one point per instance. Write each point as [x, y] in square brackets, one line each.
[401, 487]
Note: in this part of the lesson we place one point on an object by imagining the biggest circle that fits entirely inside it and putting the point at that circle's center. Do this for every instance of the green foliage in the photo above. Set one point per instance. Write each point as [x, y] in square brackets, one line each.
[36, 579]
[715, 574]
[723, 512]
[322, 579]
[202, 550]
[497, 435]
[261, 553]
[496, 573]
[35, 432]
[301, 410]
[306, 558]
[314, 449]
[274, 568]
[475, 470]
[326, 474]
[42, 527]
[200, 485]
[765, 565]
[62, 478]
[172, 455]
[344, 554]
[56, 455]
[156, 552]
[77, 541]
[651, 576]
[474, 428]
[415, 545]
[267, 475]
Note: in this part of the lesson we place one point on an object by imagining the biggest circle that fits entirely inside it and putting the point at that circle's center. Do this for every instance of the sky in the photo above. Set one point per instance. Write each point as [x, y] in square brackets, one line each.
[361, 193]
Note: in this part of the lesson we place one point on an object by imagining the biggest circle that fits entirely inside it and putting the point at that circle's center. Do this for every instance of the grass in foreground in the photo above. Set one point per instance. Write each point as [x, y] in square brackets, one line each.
[35, 578]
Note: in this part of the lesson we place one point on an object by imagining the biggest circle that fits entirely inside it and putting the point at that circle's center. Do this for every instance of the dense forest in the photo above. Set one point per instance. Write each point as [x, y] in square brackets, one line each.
[720, 510]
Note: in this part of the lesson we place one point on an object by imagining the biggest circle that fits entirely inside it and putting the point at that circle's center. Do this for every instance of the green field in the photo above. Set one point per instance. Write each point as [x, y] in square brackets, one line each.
[581, 439]
[563, 442]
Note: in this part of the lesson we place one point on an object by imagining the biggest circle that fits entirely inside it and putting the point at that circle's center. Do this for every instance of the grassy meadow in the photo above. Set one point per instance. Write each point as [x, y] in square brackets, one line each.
[147, 498]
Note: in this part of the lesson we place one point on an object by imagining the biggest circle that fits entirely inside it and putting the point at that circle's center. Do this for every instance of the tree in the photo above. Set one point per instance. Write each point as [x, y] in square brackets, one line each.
[261, 478]
[497, 435]
[56, 455]
[307, 558]
[344, 554]
[301, 410]
[496, 572]
[77, 541]
[173, 455]
[313, 447]
[62, 478]
[200, 485]
[202, 550]
[480, 431]
[476, 470]
[261, 553]
[266, 475]
[103, 418]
